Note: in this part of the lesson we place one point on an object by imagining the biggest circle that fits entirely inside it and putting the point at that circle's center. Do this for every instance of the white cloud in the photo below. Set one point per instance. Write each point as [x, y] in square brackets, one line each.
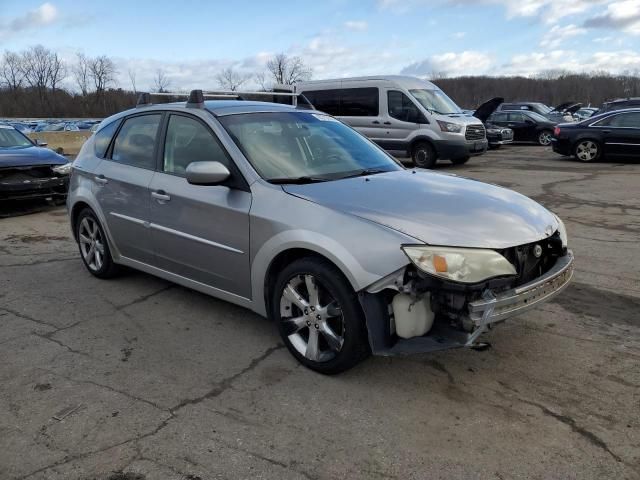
[356, 25]
[569, 60]
[557, 35]
[451, 64]
[42, 16]
[459, 35]
[623, 15]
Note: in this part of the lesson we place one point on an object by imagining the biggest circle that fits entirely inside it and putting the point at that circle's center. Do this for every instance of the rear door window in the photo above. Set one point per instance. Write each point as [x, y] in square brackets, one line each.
[516, 117]
[136, 140]
[103, 138]
[626, 120]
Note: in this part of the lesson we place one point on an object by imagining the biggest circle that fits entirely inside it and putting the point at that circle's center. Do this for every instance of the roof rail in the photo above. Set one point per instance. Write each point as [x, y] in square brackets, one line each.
[196, 98]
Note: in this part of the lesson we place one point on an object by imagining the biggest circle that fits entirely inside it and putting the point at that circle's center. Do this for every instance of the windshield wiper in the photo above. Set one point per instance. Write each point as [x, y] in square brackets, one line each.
[365, 172]
[296, 180]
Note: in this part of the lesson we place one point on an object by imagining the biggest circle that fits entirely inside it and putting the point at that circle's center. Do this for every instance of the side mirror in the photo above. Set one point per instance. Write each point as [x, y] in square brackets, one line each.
[40, 143]
[207, 173]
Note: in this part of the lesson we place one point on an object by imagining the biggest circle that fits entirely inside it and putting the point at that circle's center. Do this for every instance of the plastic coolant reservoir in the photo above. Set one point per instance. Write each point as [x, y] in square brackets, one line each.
[413, 318]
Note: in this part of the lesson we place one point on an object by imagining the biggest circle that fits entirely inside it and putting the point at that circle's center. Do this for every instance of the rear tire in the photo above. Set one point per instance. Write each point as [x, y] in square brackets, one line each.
[587, 151]
[459, 161]
[544, 138]
[423, 155]
[319, 317]
[93, 245]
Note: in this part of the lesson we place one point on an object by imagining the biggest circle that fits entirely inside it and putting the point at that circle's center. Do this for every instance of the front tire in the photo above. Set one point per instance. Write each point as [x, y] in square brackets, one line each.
[587, 151]
[544, 138]
[423, 155]
[319, 317]
[93, 245]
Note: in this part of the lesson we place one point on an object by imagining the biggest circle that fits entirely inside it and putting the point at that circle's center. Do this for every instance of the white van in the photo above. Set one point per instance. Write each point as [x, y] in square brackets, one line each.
[401, 114]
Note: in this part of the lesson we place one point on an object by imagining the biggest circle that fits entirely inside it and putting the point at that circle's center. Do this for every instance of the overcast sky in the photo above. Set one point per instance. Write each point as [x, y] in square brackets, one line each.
[192, 40]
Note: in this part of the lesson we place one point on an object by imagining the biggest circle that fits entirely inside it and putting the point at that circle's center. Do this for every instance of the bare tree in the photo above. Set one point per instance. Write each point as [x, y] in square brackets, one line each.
[81, 73]
[229, 79]
[288, 70]
[57, 71]
[261, 79]
[11, 72]
[132, 79]
[103, 73]
[161, 81]
[36, 69]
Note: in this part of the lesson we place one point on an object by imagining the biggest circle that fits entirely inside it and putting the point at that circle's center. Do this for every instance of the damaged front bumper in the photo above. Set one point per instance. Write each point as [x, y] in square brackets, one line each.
[492, 307]
[27, 188]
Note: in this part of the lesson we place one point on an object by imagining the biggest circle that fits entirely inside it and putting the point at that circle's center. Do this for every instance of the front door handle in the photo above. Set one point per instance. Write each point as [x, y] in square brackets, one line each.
[161, 196]
[606, 131]
[376, 122]
[387, 123]
[101, 179]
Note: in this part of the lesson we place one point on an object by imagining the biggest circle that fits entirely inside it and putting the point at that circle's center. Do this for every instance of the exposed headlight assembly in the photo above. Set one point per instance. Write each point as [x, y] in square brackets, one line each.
[63, 169]
[465, 265]
[449, 127]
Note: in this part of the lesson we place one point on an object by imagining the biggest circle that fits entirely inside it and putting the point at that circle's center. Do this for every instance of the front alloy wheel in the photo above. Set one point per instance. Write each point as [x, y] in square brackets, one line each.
[544, 138]
[319, 316]
[587, 151]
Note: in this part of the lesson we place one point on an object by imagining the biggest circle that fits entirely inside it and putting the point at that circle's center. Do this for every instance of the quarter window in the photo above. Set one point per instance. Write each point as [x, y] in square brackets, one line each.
[627, 120]
[136, 141]
[103, 139]
[188, 141]
[401, 107]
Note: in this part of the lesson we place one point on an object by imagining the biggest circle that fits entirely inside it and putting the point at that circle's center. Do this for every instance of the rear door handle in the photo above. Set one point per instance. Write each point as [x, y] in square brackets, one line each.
[376, 122]
[161, 196]
[606, 131]
[101, 179]
[387, 123]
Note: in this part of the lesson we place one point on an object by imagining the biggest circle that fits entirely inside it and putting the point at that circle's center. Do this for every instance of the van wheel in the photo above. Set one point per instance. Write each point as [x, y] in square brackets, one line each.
[94, 248]
[319, 317]
[423, 155]
[460, 161]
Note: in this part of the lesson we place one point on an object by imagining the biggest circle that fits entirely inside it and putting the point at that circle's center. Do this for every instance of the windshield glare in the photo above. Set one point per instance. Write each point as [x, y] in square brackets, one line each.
[435, 101]
[11, 138]
[289, 145]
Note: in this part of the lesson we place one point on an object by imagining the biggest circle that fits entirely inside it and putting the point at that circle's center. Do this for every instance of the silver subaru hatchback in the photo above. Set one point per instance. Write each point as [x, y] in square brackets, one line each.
[298, 217]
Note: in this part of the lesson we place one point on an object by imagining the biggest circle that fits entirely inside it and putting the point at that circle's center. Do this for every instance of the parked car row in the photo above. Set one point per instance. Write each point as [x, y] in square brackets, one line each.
[52, 125]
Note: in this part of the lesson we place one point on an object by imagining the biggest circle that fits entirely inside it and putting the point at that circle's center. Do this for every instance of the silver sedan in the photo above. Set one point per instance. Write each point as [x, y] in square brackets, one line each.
[299, 218]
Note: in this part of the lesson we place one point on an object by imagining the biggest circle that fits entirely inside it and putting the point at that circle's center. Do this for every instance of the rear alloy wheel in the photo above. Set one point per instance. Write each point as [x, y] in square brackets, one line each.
[544, 138]
[587, 151]
[423, 155]
[319, 317]
[93, 245]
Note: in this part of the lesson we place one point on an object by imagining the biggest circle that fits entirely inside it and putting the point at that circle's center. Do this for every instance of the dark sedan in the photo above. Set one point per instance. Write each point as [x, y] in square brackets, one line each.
[612, 134]
[28, 170]
[526, 126]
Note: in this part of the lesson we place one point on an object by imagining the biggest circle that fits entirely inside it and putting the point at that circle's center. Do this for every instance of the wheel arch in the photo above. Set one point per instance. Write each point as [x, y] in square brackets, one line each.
[421, 139]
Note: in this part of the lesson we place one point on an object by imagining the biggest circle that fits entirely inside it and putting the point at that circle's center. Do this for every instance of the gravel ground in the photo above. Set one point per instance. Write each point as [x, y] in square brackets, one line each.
[136, 378]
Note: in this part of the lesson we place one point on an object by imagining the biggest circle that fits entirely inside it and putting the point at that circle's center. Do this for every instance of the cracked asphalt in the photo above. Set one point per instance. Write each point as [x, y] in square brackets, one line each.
[149, 380]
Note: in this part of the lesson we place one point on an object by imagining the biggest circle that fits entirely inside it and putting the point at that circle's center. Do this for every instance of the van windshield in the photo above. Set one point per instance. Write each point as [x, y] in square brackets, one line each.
[435, 101]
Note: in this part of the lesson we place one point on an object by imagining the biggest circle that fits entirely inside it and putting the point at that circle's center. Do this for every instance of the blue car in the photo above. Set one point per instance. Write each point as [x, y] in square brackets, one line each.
[27, 170]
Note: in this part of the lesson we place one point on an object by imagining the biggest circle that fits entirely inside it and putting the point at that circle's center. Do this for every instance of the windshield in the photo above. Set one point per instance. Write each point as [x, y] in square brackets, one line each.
[295, 145]
[11, 138]
[435, 101]
[544, 108]
[537, 117]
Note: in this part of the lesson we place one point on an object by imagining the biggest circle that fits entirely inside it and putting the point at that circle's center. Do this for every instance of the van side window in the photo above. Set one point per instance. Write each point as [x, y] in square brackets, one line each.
[327, 101]
[401, 108]
[359, 102]
[136, 140]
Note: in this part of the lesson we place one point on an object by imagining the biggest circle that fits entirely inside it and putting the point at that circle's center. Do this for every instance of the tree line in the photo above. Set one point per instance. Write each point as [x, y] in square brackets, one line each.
[37, 82]
[551, 88]
[31, 83]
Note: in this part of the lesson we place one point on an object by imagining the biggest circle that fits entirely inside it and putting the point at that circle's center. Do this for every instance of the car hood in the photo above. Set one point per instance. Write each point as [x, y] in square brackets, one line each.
[437, 209]
[485, 110]
[23, 157]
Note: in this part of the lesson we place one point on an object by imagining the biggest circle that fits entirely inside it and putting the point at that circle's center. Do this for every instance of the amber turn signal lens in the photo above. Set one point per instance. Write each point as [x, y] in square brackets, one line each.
[440, 264]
